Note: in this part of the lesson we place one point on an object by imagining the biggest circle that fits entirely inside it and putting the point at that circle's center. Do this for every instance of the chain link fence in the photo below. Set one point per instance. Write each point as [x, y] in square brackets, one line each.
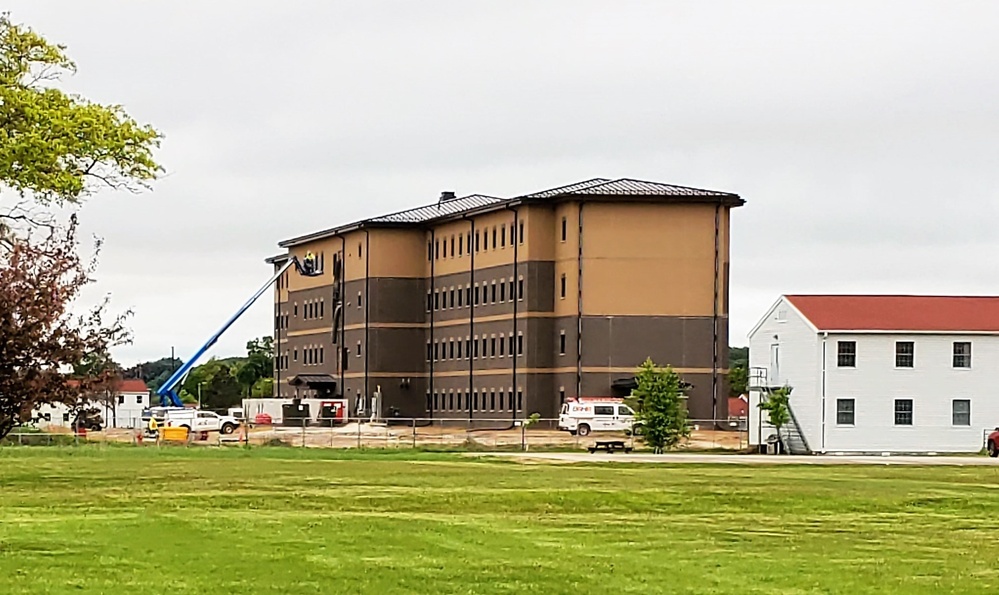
[399, 433]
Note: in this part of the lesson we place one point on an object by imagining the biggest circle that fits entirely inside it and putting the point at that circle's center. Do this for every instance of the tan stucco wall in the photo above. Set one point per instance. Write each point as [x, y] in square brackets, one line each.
[650, 259]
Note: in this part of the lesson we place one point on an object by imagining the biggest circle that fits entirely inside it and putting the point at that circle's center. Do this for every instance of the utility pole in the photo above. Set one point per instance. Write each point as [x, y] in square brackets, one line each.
[199, 394]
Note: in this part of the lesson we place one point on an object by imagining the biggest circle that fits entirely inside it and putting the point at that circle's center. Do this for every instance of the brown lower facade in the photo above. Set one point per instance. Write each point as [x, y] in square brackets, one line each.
[537, 358]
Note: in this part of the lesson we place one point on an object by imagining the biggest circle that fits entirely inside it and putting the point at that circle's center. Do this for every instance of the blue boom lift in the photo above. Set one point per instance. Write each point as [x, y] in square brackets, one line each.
[168, 392]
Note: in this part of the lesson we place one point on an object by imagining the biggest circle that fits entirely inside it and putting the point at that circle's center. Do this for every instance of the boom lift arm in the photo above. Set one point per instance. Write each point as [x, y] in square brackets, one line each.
[168, 392]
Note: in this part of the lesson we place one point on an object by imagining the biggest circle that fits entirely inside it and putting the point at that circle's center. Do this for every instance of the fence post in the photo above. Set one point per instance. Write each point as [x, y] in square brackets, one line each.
[523, 436]
[414, 432]
[358, 432]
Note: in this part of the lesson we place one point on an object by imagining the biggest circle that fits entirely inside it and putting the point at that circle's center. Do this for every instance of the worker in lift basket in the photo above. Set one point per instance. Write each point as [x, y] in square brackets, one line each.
[309, 263]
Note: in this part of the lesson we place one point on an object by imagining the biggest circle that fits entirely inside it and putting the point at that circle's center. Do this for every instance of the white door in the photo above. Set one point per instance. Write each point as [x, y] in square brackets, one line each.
[774, 379]
[206, 421]
[625, 418]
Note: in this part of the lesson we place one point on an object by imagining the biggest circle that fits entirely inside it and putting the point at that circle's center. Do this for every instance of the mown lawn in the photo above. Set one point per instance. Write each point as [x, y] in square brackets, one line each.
[125, 520]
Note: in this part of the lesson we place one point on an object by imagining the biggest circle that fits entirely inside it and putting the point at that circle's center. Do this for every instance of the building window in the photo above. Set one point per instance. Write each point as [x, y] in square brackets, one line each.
[520, 343]
[476, 241]
[493, 343]
[459, 348]
[520, 288]
[360, 251]
[485, 347]
[905, 354]
[430, 300]
[502, 292]
[561, 394]
[139, 399]
[452, 246]
[961, 412]
[494, 237]
[468, 348]
[452, 298]
[296, 310]
[121, 399]
[475, 401]
[520, 234]
[520, 399]
[494, 292]
[565, 229]
[294, 355]
[430, 251]
[502, 346]
[460, 292]
[437, 353]
[437, 249]
[461, 250]
[846, 354]
[903, 412]
[509, 341]
[561, 343]
[475, 343]
[962, 354]
[468, 295]
[476, 295]
[492, 401]
[844, 412]
[430, 350]
[451, 348]
[503, 236]
[562, 285]
[360, 299]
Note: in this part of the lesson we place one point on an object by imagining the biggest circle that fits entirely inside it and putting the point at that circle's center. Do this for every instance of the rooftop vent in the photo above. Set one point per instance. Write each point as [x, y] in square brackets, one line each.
[447, 195]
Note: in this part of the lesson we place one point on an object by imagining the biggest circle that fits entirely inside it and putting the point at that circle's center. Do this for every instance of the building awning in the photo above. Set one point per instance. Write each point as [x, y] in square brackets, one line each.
[312, 380]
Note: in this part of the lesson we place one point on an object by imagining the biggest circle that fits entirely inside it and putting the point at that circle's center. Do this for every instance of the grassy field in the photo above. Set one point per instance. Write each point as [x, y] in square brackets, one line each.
[125, 520]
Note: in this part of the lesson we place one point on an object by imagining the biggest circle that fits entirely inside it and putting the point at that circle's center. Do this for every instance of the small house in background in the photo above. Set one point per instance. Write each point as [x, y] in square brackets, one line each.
[737, 407]
[124, 409]
[878, 373]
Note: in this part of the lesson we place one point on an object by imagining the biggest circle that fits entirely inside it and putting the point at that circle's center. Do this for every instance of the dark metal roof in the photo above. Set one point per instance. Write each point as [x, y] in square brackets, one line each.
[454, 206]
[630, 187]
[567, 189]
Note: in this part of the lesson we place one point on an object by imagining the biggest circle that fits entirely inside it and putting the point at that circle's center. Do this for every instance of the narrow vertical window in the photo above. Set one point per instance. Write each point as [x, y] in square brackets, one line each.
[562, 286]
[565, 229]
[520, 234]
[452, 246]
[461, 245]
[561, 343]
[503, 236]
[520, 343]
[520, 288]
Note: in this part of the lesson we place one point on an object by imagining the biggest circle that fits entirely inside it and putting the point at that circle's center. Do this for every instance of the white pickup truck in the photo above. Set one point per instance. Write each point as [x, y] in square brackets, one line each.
[193, 419]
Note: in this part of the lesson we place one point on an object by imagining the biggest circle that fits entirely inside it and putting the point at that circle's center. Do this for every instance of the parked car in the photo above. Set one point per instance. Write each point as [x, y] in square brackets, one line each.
[992, 443]
[596, 414]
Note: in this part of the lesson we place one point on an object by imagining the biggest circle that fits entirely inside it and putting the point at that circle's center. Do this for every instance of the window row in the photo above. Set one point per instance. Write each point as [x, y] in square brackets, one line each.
[311, 356]
[846, 411]
[461, 244]
[484, 400]
[464, 296]
[469, 347]
[905, 354]
[313, 309]
[139, 399]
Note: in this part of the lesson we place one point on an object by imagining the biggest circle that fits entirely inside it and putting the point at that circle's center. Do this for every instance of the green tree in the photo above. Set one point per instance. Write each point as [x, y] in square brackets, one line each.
[263, 388]
[259, 363]
[777, 408]
[661, 410]
[57, 147]
[738, 381]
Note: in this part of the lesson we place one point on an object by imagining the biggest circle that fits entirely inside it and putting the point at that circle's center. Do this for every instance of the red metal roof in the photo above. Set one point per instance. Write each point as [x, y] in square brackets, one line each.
[132, 385]
[899, 312]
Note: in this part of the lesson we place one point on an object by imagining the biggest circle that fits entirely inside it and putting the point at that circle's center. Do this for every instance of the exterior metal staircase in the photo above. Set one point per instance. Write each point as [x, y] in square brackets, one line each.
[791, 437]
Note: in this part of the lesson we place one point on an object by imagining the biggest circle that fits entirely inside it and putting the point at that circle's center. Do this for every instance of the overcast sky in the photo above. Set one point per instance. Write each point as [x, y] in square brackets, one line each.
[864, 135]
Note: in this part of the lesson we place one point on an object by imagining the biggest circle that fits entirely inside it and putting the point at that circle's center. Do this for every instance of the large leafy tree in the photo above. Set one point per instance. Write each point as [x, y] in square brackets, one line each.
[661, 411]
[55, 149]
[40, 339]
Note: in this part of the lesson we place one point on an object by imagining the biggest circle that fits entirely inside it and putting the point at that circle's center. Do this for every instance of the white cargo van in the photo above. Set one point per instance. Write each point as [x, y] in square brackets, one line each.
[595, 414]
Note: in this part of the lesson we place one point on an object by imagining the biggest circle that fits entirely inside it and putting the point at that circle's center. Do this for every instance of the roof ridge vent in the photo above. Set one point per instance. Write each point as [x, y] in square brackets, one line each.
[447, 195]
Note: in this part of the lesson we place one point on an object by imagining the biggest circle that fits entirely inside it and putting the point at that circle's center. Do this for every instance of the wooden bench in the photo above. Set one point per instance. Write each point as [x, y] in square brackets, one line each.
[609, 446]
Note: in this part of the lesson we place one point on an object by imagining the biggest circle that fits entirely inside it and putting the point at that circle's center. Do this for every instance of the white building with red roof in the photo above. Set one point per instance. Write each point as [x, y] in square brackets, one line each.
[878, 373]
[123, 410]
